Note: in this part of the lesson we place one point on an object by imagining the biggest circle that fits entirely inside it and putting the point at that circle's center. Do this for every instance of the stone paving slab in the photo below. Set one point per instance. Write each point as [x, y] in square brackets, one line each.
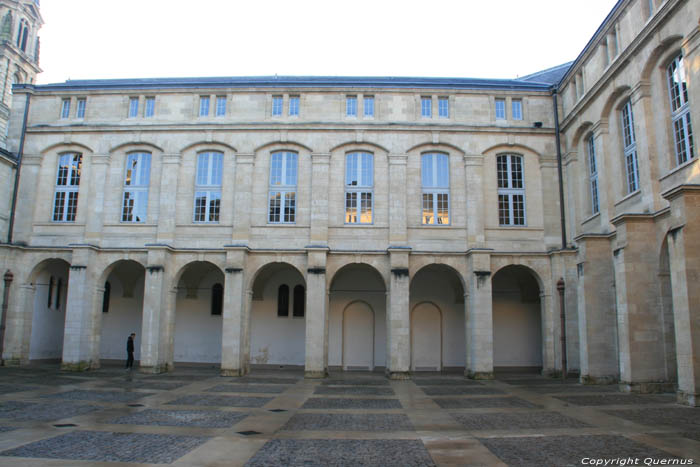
[348, 422]
[261, 380]
[459, 391]
[538, 451]
[355, 382]
[677, 417]
[179, 377]
[354, 390]
[139, 384]
[222, 401]
[4, 429]
[445, 382]
[618, 399]
[574, 389]
[342, 452]
[695, 435]
[196, 418]
[10, 388]
[46, 411]
[342, 403]
[250, 388]
[484, 403]
[111, 447]
[45, 380]
[537, 381]
[101, 396]
[517, 421]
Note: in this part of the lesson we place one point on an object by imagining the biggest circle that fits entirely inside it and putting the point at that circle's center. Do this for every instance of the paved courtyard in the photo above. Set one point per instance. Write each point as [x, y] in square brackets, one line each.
[194, 417]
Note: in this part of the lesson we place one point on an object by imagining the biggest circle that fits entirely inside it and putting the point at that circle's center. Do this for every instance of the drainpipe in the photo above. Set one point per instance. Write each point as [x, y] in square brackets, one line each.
[5, 305]
[17, 170]
[559, 170]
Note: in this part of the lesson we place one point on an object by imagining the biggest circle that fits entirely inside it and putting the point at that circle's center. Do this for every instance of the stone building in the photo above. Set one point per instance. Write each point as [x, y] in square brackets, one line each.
[396, 224]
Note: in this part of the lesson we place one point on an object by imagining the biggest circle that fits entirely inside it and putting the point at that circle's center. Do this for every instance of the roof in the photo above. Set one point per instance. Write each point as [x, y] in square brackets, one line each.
[549, 76]
[293, 82]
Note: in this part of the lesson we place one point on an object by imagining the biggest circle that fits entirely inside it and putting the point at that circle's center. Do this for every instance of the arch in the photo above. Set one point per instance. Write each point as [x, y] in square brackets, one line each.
[530, 269]
[445, 266]
[439, 147]
[49, 279]
[201, 264]
[134, 146]
[264, 270]
[612, 99]
[68, 147]
[345, 267]
[358, 146]
[582, 130]
[666, 47]
[501, 148]
[284, 145]
[358, 336]
[205, 145]
[114, 264]
[38, 267]
[426, 337]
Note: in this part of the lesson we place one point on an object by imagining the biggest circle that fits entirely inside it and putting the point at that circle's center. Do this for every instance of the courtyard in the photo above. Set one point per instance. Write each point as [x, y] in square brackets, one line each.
[194, 417]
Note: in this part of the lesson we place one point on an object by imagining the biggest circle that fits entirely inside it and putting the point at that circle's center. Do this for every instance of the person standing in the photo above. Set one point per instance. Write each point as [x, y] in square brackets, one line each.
[130, 351]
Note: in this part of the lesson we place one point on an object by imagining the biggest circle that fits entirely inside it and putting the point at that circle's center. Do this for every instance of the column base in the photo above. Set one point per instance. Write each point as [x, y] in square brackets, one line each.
[652, 387]
[598, 380]
[154, 370]
[12, 362]
[478, 374]
[315, 374]
[398, 375]
[687, 398]
[79, 366]
[233, 372]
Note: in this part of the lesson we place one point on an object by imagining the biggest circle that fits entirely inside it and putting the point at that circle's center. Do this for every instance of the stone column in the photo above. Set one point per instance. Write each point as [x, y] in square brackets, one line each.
[243, 197]
[551, 333]
[234, 316]
[398, 317]
[158, 316]
[170, 165]
[397, 199]
[18, 326]
[99, 165]
[316, 365]
[474, 176]
[319, 198]
[479, 319]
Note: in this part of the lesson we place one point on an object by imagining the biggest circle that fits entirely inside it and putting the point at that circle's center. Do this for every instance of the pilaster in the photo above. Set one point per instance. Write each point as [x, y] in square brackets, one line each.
[474, 176]
[170, 165]
[398, 316]
[319, 197]
[243, 197]
[158, 316]
[397, 199]
[235, 318]
[316, 365]
[479, 320]
[18, 326]
[99, 165]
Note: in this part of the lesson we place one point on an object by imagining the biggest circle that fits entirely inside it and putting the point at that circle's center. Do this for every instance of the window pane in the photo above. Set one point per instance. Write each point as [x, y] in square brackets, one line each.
[443, 176]
[299, 301]
[133, 107]
[426, 107]
[291, 168]
[277, 105]
[128, 207]
[64, 164]
[351, 106]
[214, 206]
[72, 206]
[366, 208]
[58, 205]
[631, 165]
[204, 106]
[428, 208]
[294, 105]
[444, 107]
[276, 168]
[200, 206]
[275, 206]
[150, 106]
[220, 106]
[289, 207]
[80, 112]
[500, 109]
[65, 108]
[518, 210]
[516, 172]
[427, 170]
[502, 171]
[351, 207]
[503, 210]
[351, 175]
[369, 106]
[443, 208]
[517, 110]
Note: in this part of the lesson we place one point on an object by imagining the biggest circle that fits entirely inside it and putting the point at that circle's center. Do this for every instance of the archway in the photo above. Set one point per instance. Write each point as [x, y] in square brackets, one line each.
[278, 317]
[437, 319]
[122, 308]
[357, 319]
[517, 321]
[198, 314]
[50, 282]
[665, 307]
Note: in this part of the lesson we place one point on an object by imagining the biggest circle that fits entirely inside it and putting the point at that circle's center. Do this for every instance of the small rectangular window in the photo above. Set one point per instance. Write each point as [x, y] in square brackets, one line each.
[351, 106]
[80, 111]
[293, 106]
[426, 107]
[276, 105]
[443, 107]
[204, 106]
[150, 107]
[220, 106]
[500, 109]
[133, 107]
[517, 109]
[369, 106]
[65, 108]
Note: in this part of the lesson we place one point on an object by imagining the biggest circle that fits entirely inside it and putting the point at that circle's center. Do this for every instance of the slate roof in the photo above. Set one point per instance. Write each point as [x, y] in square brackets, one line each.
[549, 76]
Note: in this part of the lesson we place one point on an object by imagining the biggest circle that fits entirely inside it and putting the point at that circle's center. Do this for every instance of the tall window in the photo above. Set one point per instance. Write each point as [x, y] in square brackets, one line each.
[426, 107]
[65, 201]
[277, 105]
[80, 111]
[50, 293]
[299, 301]
[593, 173]
[359, 182]
[217, 299]
[204, 106]
[136, 180]
[680, 111]
[105, 297]
[351, 106]
[630, 148]
[368, 106]
[23, 35]
[500, 109]
[293, 106]
[65, 108]
[283, 300]
[207, 196]
[435, 178]
[220, 106]
[59, 286]
[443, 107]
[283, 187]
[150, 109]
[133, 107]
[511, 190]
[517, 109]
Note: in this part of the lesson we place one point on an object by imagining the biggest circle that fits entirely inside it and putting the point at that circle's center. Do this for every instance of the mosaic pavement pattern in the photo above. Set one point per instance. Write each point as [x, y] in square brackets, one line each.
[222, 401]
[348, 422]
[198, 418]
[102, 396]
[24, 411]
[483, 403]
[525, 420]
[250, 388]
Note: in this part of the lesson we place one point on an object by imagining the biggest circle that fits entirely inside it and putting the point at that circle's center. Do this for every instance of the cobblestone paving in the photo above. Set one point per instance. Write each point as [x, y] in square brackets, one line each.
[483, 402]
[101, 396]
[458, 390]
[47, 411]
[159, 385]
[341, 403]
[540, 451]
[684, 418]
[250, 388]
[445, 382]
[348, 422]
[262, 380]
[523, 420]
[222, 401]
[538, 381]
[324, 452]
[111, 447]
[354, 390]
[617, 399]
[198, 418]
[3, 429]
[10, 388]
[571, 389]
[355, 382]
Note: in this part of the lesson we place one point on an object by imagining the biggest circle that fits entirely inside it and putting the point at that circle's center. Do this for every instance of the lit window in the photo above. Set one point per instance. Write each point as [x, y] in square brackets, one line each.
[220, 106]
[293, 106]
[80, 111]
[351, 106]
[511, 190]
[136, 180]
[65, 202]
[426, 107]
[593, 173]
[369, 106]
[283, 187]
[517, 108]
[207, 196]
[435, 178]
[500, 109]
[150, 107]
[217, 299]
[359, 182]
[680, 111]
[204, 106]
[630, 148]
[277, 105]
[443, 107]
[65, 108]
[133, 107]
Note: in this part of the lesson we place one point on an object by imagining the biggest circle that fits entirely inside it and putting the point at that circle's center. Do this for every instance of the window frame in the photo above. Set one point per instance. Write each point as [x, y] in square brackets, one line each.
[277, 105]
[80, 106]
[67, 193]
[149, 107]
[133, 111]
[629, 145]
[138, 191]
[435, 191]
[286, 212]
[426, 107]
[361, 188]
[593, 173]
[204, 106]
[351, 106]
[499, 115]
[516, 115]
[65, 108]
[294, 105]
[368, 106]
[443, 107]
[681, 125]
[511, 191]
[221, 102]
[209, 186]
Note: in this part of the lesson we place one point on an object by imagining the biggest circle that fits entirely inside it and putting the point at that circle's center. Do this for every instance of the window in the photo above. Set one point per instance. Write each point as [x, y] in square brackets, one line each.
[630, 148]
[517, 109]
[500, 109]
[105, 297]
[299, 301]
[50, 294]
[204, 106]
[65, 108]
[207, 196]
[369, 106]
[436, 188]
[593, 173]
[283, 187]
[80, 111]
[136, 180]
[276, 105]
[133, 107]
[359, 182]
[426, 107]
[283, 300]
[293, 106]
[23, 35]
[59, 286]
[150, 107]
[351, 106]
[217, 299]
[220, 106]
[65, 201]
[613, 43]
[511, 190]
[680, 110]
[443, 107]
